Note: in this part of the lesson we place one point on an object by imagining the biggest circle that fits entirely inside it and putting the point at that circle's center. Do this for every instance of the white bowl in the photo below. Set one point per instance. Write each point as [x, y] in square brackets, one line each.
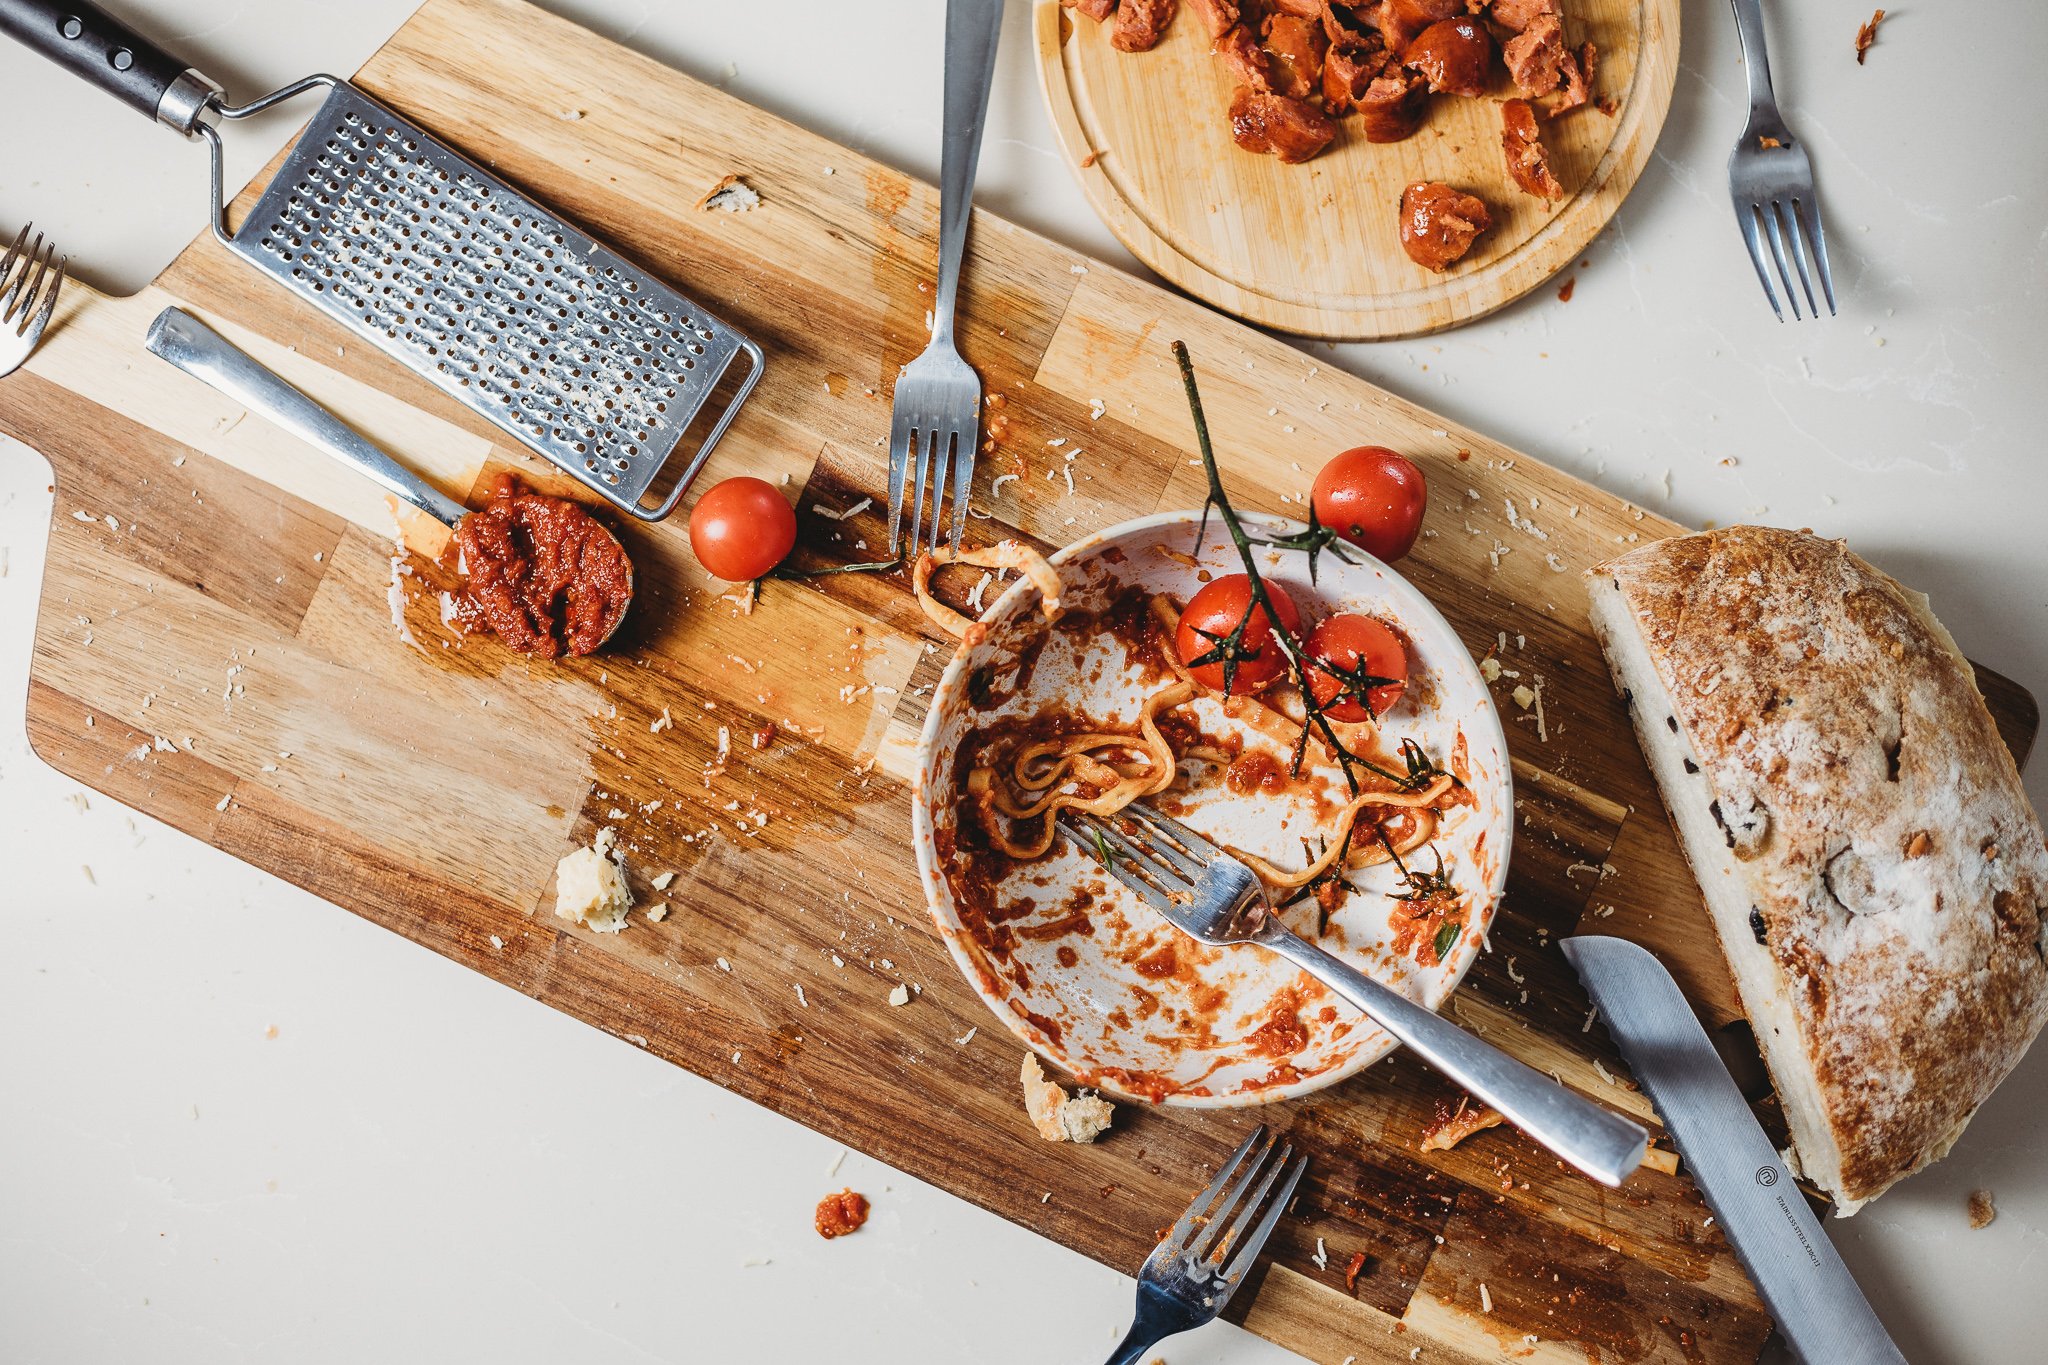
[1078, 997]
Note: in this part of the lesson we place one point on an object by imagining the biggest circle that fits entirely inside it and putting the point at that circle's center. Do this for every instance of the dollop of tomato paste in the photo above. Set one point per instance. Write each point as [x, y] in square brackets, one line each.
[841, 1213]
[543, 574]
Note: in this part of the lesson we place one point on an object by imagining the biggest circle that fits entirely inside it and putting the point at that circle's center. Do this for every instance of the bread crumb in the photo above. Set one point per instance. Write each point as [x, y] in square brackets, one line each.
[1982, 1210]
[590, 885]
[1057, 1116]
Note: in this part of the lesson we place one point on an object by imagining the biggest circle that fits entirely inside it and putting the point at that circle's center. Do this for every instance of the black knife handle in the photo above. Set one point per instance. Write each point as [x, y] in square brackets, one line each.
[85, 38]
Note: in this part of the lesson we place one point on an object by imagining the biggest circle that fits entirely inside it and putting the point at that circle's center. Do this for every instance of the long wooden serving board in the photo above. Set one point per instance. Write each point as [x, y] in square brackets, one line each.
[217, 646]
[1312, 249]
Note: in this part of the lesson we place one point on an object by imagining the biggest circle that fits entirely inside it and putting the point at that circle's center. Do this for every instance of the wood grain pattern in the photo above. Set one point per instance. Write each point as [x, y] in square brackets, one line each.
[216, 646]
[1312, 249]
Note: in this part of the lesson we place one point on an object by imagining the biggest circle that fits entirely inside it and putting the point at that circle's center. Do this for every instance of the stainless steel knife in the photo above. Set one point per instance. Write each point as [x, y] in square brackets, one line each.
[1810, 1292]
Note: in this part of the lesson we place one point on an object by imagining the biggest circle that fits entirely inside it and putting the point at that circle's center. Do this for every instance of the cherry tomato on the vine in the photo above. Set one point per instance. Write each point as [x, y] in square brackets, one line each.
[741, 528]
[1214, 613]
[1344, 652]
[1374, 498]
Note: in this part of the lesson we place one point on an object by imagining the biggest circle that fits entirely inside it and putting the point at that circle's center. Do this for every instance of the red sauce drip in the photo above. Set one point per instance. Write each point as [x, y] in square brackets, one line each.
[1283, 1034]
[841, 1213]
[1257, 771]
[544, 575]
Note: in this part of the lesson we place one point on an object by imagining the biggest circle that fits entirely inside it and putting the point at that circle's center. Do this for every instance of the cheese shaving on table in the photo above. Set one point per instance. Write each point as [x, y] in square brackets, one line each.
[863, 505]
[1057, 1116]
[1657, 1159]
[731, 194]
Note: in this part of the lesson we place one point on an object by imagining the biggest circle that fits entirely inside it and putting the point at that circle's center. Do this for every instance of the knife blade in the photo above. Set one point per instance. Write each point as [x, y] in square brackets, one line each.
[1811, 1294]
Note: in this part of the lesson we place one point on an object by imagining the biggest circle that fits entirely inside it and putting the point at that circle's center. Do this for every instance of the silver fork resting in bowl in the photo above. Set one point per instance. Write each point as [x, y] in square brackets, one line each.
[1212, 897]
[1186, 1280]
[1771, 179]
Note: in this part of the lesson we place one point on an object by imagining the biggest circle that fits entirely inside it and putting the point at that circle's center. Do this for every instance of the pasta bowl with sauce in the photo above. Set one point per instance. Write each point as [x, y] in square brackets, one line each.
[1075, 965]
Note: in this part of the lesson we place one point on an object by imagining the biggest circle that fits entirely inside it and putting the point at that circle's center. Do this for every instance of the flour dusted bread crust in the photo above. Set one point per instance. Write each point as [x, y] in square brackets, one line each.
[1876, 877]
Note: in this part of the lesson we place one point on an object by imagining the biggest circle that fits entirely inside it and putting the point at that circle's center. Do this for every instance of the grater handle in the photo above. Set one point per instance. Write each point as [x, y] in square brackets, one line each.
[972, 27]
[205, 354]
[86, 40]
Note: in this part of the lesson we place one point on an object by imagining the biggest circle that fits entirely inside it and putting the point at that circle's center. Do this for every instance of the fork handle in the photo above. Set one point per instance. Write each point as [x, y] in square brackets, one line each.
[86, 40]
[1598, 1141]
[1158, 1318]
[1749, 27]
[972, 27]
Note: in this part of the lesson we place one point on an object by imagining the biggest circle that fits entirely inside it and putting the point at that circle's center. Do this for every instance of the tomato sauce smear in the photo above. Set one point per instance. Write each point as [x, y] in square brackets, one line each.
[543, 574]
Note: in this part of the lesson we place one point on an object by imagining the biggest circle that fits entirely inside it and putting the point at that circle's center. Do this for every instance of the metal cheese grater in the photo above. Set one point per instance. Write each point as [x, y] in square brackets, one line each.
[445, 267]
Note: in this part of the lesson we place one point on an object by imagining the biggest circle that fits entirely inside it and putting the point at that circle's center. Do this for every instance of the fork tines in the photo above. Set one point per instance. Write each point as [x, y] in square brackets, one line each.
[936, 423]
[1788, 227]
[1771, 179]
[1236, 1214]
[1157, 857]
[28, 295]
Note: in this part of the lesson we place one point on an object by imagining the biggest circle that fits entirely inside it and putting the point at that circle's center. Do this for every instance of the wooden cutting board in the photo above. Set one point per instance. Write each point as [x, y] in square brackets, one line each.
[1312, 249]
[217, 647]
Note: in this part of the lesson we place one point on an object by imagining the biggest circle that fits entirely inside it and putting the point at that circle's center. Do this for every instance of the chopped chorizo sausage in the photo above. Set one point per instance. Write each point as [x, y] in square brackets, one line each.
[1394, 105]
[1400, 21]
[1452, 54]
[1521, 138]
[1438, 224]
[1141, 23]
[1218, 16]
[1098, 10]
[1290, 129]
[1297, 45]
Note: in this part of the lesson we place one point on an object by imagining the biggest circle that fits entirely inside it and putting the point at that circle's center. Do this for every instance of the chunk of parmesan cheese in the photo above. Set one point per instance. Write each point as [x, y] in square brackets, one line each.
[590, 885]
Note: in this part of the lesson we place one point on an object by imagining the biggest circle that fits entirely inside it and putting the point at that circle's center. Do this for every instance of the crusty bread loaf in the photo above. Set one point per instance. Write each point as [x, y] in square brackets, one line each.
[1874, 872]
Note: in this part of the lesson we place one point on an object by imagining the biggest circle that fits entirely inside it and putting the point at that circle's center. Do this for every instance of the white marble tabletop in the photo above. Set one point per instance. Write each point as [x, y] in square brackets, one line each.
[237, 1123]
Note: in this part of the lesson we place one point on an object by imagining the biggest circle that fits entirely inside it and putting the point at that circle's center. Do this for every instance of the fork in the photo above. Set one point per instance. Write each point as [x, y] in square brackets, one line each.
[1214, 898]
[1772, 182]
[24, 309]
[1184, 1282]
[938, 395]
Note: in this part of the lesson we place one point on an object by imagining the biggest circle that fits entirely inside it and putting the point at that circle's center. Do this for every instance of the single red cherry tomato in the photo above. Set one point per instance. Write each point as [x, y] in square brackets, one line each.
[1374, 498]
[1357, 647]
[1214, 613]
[741, 528]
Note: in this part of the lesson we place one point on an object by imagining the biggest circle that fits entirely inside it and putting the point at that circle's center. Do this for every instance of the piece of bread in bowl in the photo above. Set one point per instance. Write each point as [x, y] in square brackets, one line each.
[1874, 872]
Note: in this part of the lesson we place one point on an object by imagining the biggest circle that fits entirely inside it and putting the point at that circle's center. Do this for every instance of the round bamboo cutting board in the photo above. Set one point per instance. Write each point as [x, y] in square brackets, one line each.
[1313, 249]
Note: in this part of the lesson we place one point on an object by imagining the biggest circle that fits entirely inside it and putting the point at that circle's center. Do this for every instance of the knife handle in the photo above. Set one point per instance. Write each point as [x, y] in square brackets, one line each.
[1598, 1141]
[206, 355]
[85, 39]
